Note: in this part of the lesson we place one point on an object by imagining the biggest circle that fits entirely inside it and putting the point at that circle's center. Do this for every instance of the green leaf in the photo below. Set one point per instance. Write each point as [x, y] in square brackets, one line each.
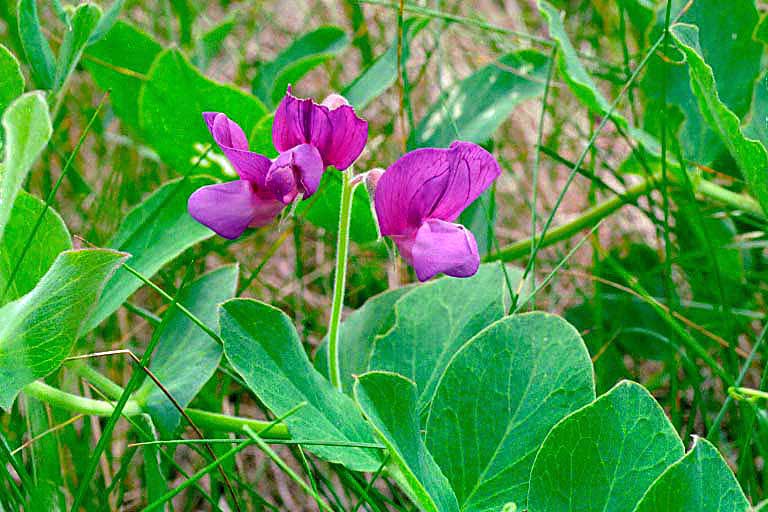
[528, 372]
[305, 54]
[605, 455]
[388, 401]
[36, 47]
[155, 480]
[154, 233]
[210, 44]
[700, 481]
[51, 238]
[27, 128]
[475, 107]
[39, 330]
[322, 209]
[171, 104]
[11, 79]
[83, 23]
[106, 22]
[750, 155]
[381, 74]
[262, 345]
[117, 63]
[186, 357]
[435, 319]
[357, 335]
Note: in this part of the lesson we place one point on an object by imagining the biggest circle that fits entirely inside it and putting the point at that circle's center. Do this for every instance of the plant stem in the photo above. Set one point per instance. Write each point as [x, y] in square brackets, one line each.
[340, 277]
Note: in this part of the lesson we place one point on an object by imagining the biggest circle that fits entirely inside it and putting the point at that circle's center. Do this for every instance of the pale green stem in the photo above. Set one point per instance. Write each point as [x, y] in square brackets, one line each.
[342, 252]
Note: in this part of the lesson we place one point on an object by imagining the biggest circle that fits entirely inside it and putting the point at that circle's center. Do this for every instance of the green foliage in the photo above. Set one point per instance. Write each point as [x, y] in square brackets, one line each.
[211, 43]
[36, 47]
[155, 232]
[38, 330]
[303, 55]
[27, 126]
[51, 238]
[84, 22]
[186, 356]
[11, 79]
[262, 345]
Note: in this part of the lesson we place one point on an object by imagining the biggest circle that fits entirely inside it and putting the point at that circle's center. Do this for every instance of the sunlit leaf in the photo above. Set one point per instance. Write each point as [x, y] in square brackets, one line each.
[83, 23]
[11, 79]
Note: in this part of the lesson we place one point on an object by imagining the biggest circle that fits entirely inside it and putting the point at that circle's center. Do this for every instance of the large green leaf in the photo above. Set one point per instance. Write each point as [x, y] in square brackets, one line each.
[186, 357]
[118, 62]
[304, 54]
[39, 330]
[381, 74]
[106, 22]
[700, 481]
[750, 155]
[84, 22]
[27, 126]
[434, 320]
[172, 100]
[388, 400]
[11, 79]
[262, 345]
[51, 238]
[475, 107]
[605, 455]
[155, 232]
[36, 47]
[528, 372]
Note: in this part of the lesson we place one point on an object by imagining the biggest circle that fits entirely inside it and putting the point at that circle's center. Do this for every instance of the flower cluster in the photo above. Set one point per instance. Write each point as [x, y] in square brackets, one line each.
[417, 199]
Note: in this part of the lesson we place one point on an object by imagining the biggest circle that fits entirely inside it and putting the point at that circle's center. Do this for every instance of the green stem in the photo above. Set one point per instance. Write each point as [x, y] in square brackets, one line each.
[342, 252]
[203, 419]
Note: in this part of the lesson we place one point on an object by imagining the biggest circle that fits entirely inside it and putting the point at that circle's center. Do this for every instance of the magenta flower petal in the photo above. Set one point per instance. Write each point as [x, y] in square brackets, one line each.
[233, 142]
[443, 247]
[432, 183]
[337, 133]
[229, 208]
[295, 171]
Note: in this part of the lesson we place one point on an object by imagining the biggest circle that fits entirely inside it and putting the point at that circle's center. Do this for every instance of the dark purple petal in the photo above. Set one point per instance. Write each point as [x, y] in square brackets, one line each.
[229, 208]
[233, 142]
[432, 183]
[337, 133]
[308, 165]
[444, 248]
[281, 180]
[295, 171]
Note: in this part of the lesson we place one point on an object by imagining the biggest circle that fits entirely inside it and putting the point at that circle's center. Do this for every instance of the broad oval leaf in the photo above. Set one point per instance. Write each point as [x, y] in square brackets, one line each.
[11, 79]
[605, 455]
[38, 330]
[172, 99]
[154, 233]
[186, 356]
[51, 238]
[262, 345]
[700, 481]
[388, 401]
[27, 126]
[498, 398]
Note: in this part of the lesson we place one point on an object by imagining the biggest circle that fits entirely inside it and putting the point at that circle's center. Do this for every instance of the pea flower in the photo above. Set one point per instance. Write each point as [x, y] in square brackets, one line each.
[418, 198]
[309, 137]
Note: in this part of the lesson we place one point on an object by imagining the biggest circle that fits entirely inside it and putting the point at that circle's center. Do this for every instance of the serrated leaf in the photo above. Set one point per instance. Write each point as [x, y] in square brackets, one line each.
[475, 107]
[36, 47]
[84, 22]
[750, 155]
[381, 74]
[117, 62]
[303, 55]
[700, 481]
[171, 104]
[528, 372]
[262, 345]
[388, 401]
[435, 319]
[39, 330]
[605, 455]
[27, 126]
[51, 238]
[186, 357]
[11, 79]
[154, 233]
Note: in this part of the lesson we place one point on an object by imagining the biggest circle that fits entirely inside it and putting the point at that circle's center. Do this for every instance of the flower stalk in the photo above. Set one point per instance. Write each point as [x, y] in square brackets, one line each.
[340, 276]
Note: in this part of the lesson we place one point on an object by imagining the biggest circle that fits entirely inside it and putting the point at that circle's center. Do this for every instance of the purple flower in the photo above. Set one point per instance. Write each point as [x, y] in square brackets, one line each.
[420, 196]
[309, 137]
